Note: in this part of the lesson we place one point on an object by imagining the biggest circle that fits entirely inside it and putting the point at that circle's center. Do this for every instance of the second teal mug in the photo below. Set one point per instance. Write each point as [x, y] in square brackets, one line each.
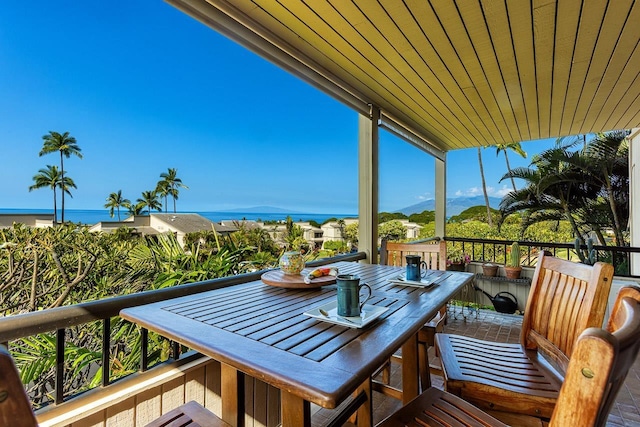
[349, 286]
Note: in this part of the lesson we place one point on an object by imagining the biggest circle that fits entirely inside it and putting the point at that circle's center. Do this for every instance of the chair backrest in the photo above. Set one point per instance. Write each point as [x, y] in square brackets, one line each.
[15, 407]
[599, 364]
[434, 254]
[565, 299]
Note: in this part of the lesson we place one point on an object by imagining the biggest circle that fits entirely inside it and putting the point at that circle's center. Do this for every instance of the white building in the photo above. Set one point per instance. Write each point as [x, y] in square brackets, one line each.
[32, 220]
[157, 223]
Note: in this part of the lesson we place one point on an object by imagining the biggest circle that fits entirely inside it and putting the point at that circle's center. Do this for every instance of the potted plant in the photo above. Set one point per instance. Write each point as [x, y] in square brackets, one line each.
[489, 269]
[457, 260]
[512, 267]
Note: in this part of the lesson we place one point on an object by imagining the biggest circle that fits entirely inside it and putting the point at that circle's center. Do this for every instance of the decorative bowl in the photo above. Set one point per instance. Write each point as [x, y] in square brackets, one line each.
[291, 262]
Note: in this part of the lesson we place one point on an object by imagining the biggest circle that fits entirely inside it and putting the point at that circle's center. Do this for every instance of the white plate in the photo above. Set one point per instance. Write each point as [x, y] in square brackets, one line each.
[423, 283]
[369, 314]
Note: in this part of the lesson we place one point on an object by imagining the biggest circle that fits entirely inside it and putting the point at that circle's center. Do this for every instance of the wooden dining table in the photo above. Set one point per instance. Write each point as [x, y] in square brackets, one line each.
[261, 330]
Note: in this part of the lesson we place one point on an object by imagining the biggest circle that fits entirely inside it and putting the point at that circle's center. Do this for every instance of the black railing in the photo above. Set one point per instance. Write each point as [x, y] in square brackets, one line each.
[495, 251]
[60, 319]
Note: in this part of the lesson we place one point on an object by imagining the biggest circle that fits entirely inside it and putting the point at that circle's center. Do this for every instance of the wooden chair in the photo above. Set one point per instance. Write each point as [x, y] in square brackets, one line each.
[434, 255]
[597, 368]
[16, 411]
[522, 381]
[191, 414]
[15, 407]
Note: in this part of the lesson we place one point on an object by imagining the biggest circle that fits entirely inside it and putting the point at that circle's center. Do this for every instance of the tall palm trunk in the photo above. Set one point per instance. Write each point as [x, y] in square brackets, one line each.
[513, 182]
[62, 187]
[55, 207]
[484, 189]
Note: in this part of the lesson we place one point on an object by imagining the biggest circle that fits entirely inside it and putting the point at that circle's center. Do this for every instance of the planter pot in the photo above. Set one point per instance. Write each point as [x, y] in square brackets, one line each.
[456, 267]
[489, 270]
[512, 272]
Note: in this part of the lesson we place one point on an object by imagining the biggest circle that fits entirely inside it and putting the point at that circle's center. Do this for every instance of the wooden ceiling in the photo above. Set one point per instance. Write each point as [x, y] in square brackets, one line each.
[455, 74]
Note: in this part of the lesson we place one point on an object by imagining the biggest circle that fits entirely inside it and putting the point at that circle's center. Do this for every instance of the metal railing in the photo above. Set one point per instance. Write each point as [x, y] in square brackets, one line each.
[61, 318]
[488, 250]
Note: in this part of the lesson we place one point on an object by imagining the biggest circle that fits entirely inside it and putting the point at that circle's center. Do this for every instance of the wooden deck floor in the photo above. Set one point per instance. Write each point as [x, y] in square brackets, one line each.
[489, 325]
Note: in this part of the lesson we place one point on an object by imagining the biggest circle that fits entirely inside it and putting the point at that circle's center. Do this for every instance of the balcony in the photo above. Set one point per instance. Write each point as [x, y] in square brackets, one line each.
[187, 375]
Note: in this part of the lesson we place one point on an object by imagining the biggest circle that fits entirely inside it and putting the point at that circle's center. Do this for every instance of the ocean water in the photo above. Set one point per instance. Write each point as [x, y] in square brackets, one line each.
[94, 216]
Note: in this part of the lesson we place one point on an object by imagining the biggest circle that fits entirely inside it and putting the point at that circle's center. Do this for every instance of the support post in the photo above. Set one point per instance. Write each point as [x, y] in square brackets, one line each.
[634, 197]
[441, 196]
[368, 184]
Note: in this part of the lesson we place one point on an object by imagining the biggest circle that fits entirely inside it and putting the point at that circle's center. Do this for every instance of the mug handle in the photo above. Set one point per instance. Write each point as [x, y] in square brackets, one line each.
[367, 298]
[423, 272]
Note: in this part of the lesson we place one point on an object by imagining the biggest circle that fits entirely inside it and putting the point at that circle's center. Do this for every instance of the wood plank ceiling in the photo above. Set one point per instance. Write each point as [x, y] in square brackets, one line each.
[457, 74]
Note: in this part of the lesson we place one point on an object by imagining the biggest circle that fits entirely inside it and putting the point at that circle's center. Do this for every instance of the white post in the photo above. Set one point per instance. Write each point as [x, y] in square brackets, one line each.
[368, 184]
[441, 196]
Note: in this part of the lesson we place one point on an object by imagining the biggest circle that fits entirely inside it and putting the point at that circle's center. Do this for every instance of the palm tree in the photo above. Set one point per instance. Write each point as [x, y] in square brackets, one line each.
[115, 201]
[341, 225]
[605, 163]
[134, 209]
[163, 190]
[48, 178]
[555, 190]
[514, 146]
[150, 201]
[172, 183]
[66, 145]
[484, 189]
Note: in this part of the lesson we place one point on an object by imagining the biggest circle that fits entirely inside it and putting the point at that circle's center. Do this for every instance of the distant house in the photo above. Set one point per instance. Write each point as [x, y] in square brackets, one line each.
[313, 235]
[331, 230]
[413, 229]
[40, 220]
[157, 223]
[139, 224]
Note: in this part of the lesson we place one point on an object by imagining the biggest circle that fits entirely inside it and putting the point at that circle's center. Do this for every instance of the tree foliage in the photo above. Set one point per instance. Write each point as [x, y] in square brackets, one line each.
[477, 213]
[392, 230]
[43, 268]
[423, 218]
[389, 216]
[588, 187]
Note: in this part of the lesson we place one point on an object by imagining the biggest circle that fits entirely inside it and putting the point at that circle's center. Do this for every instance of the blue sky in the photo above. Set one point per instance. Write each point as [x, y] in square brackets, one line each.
[144, 87]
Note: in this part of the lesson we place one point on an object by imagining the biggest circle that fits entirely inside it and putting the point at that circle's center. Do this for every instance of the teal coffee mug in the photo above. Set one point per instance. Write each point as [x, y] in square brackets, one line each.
[414, 272]
[349, 286]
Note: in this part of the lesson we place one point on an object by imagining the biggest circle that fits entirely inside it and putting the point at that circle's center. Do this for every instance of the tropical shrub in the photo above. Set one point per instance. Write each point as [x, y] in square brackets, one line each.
[392, 230]
[336, 246]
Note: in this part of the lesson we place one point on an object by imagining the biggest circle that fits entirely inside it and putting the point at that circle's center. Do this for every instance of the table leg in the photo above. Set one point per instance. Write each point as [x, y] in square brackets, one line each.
[296, 412]
[365, 411]
[410, 370]
[232, 393]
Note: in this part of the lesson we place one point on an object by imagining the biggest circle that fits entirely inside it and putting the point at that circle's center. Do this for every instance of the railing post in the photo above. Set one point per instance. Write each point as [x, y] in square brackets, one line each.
[144, 349]
[106, 351]
[59, 388]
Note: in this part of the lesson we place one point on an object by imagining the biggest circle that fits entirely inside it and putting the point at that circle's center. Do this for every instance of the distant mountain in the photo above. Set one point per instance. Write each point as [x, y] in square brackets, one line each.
[262, 209]
[454, 205]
